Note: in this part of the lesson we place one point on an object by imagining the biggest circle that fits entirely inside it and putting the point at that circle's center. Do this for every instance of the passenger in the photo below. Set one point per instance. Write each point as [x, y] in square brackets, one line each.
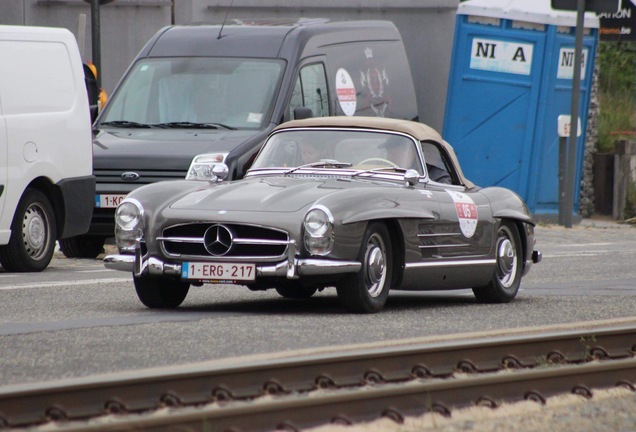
[435, 165]
[312, 152]
[438, 175]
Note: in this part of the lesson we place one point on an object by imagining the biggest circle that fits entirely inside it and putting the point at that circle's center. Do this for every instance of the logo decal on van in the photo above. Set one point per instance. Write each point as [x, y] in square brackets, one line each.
[374, 79]
[346, 91]
[130, 176]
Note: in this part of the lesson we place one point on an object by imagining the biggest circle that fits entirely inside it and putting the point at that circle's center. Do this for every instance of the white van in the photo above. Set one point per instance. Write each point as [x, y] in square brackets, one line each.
[47, 187]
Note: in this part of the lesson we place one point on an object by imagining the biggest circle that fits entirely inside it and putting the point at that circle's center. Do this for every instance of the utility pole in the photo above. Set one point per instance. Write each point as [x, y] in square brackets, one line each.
[96, 37]
[580, 6]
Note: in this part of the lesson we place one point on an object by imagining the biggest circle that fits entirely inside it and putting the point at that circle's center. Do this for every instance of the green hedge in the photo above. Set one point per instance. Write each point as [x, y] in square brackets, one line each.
[617, 92]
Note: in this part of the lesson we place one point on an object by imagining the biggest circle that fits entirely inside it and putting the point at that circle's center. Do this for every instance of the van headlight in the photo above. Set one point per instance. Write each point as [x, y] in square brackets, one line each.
[128, 224]
[318, 226]
[209, 167]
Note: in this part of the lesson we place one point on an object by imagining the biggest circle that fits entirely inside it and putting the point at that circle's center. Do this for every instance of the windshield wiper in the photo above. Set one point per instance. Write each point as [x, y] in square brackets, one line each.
[126, 124]
[325, 163]
[378, 170]
[193, 125]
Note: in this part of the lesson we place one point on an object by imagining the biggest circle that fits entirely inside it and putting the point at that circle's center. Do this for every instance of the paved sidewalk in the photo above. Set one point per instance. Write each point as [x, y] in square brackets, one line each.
[594, 222]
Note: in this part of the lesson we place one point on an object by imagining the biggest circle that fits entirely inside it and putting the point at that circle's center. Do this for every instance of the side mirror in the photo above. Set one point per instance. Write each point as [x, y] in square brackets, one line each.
[303, 113]
[411, 177]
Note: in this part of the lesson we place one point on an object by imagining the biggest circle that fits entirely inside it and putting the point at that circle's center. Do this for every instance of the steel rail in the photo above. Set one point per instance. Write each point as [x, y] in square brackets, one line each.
[393, 401]
[138, 391]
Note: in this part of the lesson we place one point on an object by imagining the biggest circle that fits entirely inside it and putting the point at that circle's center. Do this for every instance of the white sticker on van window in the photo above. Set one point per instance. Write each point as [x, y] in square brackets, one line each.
[346, 91]
[254, 117]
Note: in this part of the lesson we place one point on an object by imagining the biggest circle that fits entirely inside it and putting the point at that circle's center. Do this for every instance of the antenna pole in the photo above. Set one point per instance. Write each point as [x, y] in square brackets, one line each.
[225, 19]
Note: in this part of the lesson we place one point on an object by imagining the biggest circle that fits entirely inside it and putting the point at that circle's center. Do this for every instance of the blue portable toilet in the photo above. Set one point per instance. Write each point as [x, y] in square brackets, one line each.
[511, 78]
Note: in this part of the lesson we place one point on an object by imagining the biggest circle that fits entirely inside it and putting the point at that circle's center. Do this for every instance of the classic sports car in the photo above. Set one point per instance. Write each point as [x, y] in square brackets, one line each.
[364, 205]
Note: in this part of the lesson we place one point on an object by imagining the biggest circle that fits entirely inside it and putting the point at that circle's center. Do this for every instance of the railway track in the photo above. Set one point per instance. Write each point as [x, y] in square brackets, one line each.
[350, 387]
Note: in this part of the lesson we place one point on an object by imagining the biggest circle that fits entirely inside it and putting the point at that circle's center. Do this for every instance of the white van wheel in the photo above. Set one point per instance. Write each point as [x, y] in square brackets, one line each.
[32, 241]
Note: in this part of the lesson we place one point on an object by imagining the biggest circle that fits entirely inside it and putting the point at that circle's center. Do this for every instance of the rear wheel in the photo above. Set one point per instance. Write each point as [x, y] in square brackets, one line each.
[82, 246]
[160, 293]
[367, 290]
[504, 285]
[32, 242]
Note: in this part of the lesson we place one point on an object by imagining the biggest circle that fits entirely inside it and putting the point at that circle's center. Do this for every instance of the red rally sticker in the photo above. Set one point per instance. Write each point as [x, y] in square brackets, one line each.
[466, 212]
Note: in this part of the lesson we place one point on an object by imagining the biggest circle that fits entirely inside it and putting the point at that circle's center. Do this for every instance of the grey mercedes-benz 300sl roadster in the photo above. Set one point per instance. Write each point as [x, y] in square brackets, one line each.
[365, 205]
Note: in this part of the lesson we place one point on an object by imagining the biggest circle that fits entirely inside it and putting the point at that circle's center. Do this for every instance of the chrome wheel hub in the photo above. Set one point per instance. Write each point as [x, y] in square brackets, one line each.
[375, 266]
[506, 261]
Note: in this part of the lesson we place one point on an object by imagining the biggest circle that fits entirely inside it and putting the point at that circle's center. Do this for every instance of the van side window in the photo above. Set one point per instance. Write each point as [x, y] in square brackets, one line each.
[310, 91]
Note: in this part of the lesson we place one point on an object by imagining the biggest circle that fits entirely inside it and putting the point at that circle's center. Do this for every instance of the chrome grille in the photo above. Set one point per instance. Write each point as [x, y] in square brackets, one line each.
[250, 242]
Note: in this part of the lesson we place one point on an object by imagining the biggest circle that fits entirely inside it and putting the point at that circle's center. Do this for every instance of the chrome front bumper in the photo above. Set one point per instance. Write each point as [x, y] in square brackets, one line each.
[291, 268]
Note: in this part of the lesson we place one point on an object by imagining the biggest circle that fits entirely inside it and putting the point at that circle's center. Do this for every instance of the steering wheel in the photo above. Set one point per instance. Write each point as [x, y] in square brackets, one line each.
[375, 160]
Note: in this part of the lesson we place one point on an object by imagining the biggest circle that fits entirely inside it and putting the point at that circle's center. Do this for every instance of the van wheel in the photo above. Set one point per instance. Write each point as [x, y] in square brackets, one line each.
[160, 293]
[82, 246]
[32, 241]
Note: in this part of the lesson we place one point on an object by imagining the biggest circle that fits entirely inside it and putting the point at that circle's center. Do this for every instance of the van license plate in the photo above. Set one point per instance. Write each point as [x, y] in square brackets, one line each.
[109, 201]
[218, 271]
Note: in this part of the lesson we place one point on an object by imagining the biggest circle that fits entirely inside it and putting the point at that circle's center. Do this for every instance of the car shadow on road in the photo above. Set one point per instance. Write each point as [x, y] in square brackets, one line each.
[325, 303]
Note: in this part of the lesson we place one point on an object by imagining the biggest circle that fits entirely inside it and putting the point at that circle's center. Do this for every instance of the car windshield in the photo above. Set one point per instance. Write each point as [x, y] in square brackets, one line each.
[364, 150]
[187, 92]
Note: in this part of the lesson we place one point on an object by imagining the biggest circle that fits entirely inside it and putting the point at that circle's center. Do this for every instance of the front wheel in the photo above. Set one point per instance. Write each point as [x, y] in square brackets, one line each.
[82, 246]
[296, 291]
[32, 242]
[160, 293]
[504, 285]
[367, 290]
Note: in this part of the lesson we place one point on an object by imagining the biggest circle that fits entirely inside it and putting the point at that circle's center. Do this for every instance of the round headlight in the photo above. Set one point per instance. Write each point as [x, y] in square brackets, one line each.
[318, 231]
[128, 215]
[317, 222]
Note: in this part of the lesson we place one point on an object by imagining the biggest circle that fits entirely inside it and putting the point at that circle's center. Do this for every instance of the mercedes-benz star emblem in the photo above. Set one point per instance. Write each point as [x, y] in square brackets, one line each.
[218, 240]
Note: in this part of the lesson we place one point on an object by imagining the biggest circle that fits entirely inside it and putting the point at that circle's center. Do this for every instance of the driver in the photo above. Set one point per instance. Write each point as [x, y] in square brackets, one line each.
[402, 153]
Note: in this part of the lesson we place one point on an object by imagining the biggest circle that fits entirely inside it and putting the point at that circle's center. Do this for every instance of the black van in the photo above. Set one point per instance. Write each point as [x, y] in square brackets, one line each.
[220, 89]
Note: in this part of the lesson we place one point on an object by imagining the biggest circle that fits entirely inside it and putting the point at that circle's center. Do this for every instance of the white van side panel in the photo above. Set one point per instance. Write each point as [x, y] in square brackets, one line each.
[44, 113]
[3, 164]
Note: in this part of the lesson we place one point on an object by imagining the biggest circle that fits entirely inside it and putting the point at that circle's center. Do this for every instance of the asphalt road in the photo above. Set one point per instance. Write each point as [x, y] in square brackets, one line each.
[77, 318]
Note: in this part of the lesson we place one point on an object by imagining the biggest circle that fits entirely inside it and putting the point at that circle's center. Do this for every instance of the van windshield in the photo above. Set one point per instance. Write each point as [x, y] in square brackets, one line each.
[235, 93]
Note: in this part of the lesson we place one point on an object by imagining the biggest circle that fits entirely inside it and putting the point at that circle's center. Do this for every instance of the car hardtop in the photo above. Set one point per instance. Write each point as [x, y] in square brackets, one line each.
[264, 39]
[419, 131]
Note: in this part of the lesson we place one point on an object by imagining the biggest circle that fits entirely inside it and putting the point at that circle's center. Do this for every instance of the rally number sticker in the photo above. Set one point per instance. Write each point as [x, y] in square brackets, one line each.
[466, 212]
[346, 91]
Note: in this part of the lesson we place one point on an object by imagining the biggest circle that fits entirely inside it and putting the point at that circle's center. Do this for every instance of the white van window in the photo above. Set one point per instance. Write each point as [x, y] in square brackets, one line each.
[236, 92]
[30, 78]
[310, 91]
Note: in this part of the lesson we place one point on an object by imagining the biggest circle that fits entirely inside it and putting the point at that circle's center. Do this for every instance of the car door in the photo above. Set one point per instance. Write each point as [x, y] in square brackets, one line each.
[466, 219]
[464, 226]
